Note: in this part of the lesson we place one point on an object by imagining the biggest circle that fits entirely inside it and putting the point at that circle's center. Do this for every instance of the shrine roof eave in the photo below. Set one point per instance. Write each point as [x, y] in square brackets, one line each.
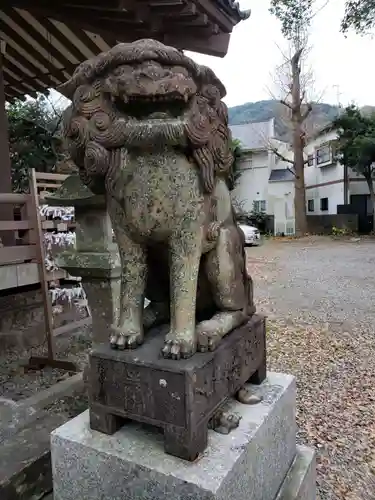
[42, 43]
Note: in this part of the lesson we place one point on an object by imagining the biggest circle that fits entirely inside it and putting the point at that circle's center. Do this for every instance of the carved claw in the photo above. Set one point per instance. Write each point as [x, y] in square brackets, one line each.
[211, 332]
[207, 341]
[245, 397]
[179, 346]
[224, 422]
[208, 336]
[125, 340]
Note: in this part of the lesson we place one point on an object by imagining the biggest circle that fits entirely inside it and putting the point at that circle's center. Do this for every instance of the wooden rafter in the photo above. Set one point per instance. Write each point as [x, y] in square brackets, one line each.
[14, 15]
[46, 40]
[18, 84]
[16, 56]
[26, 48]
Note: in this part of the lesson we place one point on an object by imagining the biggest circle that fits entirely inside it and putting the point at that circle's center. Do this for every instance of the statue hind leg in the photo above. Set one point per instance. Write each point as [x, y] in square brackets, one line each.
[231, 288]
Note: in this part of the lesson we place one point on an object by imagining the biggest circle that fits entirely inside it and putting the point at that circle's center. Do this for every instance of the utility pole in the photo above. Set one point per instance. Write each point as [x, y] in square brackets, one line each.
[338, 95]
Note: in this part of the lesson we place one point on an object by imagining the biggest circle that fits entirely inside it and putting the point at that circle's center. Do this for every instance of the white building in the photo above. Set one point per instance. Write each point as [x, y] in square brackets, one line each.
[266, 182]
[328, 183]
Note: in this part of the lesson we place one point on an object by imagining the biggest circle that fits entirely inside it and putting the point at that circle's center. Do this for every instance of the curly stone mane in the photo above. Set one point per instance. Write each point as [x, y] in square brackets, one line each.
[99, 126]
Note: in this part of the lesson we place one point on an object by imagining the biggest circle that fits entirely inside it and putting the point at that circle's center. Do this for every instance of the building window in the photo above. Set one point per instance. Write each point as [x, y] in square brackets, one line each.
[310, 205]
[310, 160]
[323, 154]
[260, 205]
[324, 204]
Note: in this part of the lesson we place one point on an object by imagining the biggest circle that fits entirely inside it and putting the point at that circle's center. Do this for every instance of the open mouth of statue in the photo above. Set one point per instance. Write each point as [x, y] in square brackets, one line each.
[155, 107]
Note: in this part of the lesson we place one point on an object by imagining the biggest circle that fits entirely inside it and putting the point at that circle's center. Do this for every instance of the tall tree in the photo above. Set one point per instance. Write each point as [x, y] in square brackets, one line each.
[359, 15]
[295, 18]
[33, 138]
[236, 173]
[356, 145]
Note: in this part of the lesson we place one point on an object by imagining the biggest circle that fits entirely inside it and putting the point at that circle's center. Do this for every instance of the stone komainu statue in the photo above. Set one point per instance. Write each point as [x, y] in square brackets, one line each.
[147, 128]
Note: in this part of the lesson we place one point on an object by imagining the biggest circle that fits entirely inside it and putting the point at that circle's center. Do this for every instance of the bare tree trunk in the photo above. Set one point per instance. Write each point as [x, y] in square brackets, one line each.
[298, 118]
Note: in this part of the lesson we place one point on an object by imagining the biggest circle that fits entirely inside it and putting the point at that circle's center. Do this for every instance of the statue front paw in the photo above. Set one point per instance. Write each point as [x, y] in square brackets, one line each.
[179, 345]
[124, 338]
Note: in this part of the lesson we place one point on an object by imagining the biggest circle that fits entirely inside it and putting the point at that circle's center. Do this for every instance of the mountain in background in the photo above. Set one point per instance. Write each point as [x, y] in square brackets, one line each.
[260, 111]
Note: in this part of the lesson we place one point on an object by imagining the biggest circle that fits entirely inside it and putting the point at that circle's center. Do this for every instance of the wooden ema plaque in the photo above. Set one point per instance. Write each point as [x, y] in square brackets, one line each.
[178, 396]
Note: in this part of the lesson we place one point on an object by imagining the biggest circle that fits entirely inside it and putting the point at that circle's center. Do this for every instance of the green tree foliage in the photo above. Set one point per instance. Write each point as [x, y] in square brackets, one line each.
[356, 144]
[294, 16]
[33, 141]
[359, 15]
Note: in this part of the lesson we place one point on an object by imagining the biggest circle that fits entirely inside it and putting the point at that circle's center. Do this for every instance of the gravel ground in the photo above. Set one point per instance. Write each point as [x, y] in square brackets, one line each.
[319, 297]
[17, 385]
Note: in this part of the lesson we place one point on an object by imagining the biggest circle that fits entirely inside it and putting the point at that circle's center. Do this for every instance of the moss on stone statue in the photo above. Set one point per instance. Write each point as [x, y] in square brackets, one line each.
[73, 192]
[90, 264]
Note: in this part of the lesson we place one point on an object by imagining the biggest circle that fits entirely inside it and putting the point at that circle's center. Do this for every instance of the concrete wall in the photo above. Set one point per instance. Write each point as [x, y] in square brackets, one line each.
[281, 199]
[323, 224]
[253, 183]
[325, 180]
[357, 184]
[335, 194]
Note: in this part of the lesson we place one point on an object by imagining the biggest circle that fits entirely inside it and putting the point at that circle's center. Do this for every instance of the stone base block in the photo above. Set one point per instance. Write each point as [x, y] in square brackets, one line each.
[250, 463]
[179, 397]
[25, 461]
[300, 482]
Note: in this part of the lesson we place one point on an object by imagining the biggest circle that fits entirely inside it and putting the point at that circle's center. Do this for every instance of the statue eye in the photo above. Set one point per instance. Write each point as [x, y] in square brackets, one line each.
[181, 70]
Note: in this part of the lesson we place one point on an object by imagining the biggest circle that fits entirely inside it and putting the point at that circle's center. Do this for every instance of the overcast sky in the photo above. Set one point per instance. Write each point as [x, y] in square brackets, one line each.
[344, 69]
[337, 61]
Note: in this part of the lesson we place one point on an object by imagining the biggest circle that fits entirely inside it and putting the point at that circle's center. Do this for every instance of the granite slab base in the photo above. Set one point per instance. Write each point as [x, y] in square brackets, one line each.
[300, 482]
[250, 463]
[25, 461]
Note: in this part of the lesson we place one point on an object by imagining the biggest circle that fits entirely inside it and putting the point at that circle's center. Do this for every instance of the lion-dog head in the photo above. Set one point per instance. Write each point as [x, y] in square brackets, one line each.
[145, 95]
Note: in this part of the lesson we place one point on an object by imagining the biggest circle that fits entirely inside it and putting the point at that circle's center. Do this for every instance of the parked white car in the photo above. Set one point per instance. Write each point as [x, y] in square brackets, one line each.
[251, 234]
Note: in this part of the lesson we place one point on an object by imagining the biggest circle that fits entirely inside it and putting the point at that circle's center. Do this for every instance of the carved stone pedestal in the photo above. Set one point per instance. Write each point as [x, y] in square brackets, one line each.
[257, 461]
[178, 396]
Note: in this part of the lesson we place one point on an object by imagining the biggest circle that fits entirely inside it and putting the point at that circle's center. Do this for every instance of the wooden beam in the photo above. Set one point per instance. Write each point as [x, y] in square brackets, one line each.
[65, 42]
[15, 225]
[184, 11]
[11, 95]
[78, 23]
[43, 77]
[84, 38]
[215, 45]
[60, 330]
[216, 15]
[35, 35]
[50, 176]
[111, 30]
[17, 83]
[15, 254]
[21, 75]
[13, 198]
[13, 35]
[6, 212]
